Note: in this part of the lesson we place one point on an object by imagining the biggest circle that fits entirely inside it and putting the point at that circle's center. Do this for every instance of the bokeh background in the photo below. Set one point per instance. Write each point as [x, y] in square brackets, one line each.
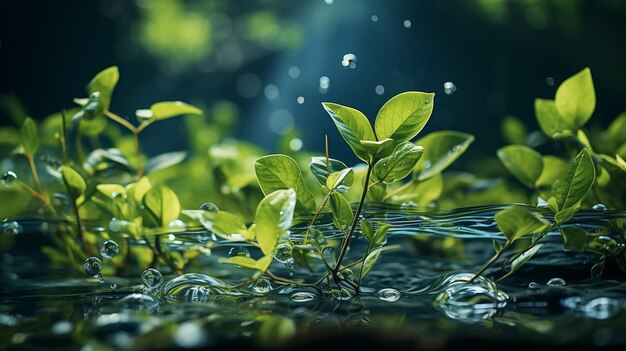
[268, 64]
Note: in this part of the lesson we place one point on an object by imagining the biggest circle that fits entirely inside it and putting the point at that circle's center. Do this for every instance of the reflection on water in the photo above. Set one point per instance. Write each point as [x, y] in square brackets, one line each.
[423, 288]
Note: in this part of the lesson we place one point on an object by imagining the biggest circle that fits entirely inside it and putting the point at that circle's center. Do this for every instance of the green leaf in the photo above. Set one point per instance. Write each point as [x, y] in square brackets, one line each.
[497, 247]
[165, 160]
[29, 136]
[404, 115]
[429, 190]
[366, 230]
[574, 238]
[370, 261]
[275, 329]
[353, 127]
[553, 167]
[168, 109]
[523, 258]
[397, 165]
[340, 181]
[551, 122]
[74, 182]
[226, 225]
[91, 108]
[112, 191]
[379, 149]
[321, 170]
[516, 222]
[575, 98]
[276, 172]
[616, 132]
[137, 190]
[381, 234]
[441, 148]
[523, 162]
[572, 186]
[341, 211]
[246, 262]
[273, 218]
[564, 215]
[513, 130]
[163, 203]
[104, 82]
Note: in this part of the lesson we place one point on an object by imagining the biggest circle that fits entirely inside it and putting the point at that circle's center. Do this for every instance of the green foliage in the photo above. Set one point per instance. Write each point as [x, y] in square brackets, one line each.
[441, 149]
[163, 206]
[523, 162]
[167, 109]
[399, 164]
[572, 186]
[575, 98]
[353, 127]
[321, 170]
[404, 115]
[273, 217]
[29, 137]
[516, 222]
[104, 83]
[74, 182]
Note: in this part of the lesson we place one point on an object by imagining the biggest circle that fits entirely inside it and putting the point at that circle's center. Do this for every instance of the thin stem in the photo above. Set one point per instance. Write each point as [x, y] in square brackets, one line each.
[491, 261]
[63, 138]
[121, 121]
[79, 226]
[33, 170]
[319, 209]
[138, 150]
[159, 254]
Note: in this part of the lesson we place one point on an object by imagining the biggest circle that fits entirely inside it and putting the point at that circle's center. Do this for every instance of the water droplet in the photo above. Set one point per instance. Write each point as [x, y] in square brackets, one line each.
[62, 328]
[601, 308]
[295, 144]
[427, 164]
[374, 18]
[556, 282]
[239, 251]
[151, 278]
[171, 237]
[599, 207]
[380, 90]
[329, 2]
[8, 177]
[302, 296]
[407, 23]
[324, 84]
[470, 302]
[300, 100]
[138, 302]
[197, 294]
[533, 285]
[113, 286]
[550, 81]
[271, 92]
[115, 225]
[282, 253]
[349, 61]
[209, 207]
[449, 88]
[262, 285]
[109, 249]
[389, 295]
[177, 223]
[11, 228]
[294, 72]
[93, 267]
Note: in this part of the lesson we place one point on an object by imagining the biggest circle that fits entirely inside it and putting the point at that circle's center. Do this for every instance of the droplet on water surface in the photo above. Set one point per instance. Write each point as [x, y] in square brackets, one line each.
[109, 249]
[533, 285]
[239, 251]
[449, 88]
[302, 296]
[349, 61]
[283, 253]
[556, 282]
[151, 278]
[93, 267]
[209, 207]
[262, 285]
[599, 207]
[389, 295]
[11, 228]
[8, 177]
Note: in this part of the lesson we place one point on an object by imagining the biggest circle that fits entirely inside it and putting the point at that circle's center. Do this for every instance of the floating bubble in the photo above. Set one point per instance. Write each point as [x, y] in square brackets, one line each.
[324, 84]
[389, 295]
[271, 92]
[198, 294]
[8, 177]
[209, 207]
[109, 249]
[599, 207]
[407, 23]
[349, 61]
[374, 18]
[239, 251]
[295, 144]
[11, 228]
[282, 253]
[550, 81]
[556, 282]
[449, 88]
[300, 100]
[302, 296]
[380, 90]
[138, 302]
[262, 285]
[93, 267]
[151, 278]
[294, 72]
[533, 285]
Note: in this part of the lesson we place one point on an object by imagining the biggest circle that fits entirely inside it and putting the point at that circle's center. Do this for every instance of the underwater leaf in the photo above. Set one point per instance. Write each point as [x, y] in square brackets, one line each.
[553, 167]
[379, 149]
[225, 225]
[165, 160]
[551, 122]
[320, 169]
[441, 149]
[163, 203]
[575, 98]
[516, 222]
[572, 186]
[523, 258]
[104, 83]
[574, 238]
[29, 136]
[273, 218]
[513, 130]
[397, 165]
[340, 181]
[277, 172]
[260, 265]
[404, 115]
[341, 211]
[523, 162]
[169, 109]
[353, 127]
[74, 182]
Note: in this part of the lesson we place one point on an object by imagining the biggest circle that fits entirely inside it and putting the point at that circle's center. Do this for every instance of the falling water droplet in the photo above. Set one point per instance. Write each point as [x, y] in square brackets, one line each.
[300, 100]
[113, 286]
[151, 278]
[407, 23]
[93, 267]
[302, 296]
[8, 177]
[533, 285]
[556, 282]
[599, 207]
[349, 61]
[550, 81]
[11, 228]
[238, 251]
[374, 18]
[262, 285]
[209, 207]
[449, 88]
[109, 249]
[389, 295]
[380, 90]
[282, 253]
[324, 84]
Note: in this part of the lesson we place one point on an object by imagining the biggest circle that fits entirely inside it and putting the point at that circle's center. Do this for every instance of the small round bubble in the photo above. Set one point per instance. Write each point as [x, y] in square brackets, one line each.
[533, 285]
[349, 61]
[8, 177]
[389, 295]
[151, 278]
[407, 23]
[302, 296]
[282, 253]
[239, 251]
[93, 267]
[374, 18]
[556, 282]
[109, 249]
[599, 207]
[262, 285]
[449, 88]
[209, 207]
[11, 228]
[300, 100]
[380, 90]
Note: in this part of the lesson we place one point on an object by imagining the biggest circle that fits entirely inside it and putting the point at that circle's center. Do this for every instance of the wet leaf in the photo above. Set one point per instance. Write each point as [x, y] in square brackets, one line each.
[523, 258]
[551, 122]
[226, 225]
[367, 230]
[260, 265]
[104, 83]
[516, 222]
[379, 149]
[340, 181]
[370, 261]
[273, 218]
[572, 186]
[320, 170]
[575, 99]
[74, 182]
[441, 149]
[404, 115]
[381, 234]
[399, 164]
[168, 109]
[165, 160]
[523, 162]
[163, 203]
[29, 136]
[353, 127]
[341, 211]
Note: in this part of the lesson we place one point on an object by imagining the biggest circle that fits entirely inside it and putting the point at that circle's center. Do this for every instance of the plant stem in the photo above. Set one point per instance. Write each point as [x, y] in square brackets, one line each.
[33, 170]
[319, 209]
[491, 261]
[159, 254]
[79, 226]
[138, 150]
[400, 189]
[135, 131]
[346, 242]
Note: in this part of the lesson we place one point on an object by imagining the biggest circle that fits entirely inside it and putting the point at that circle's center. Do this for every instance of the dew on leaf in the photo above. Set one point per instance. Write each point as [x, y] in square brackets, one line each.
[209, 207]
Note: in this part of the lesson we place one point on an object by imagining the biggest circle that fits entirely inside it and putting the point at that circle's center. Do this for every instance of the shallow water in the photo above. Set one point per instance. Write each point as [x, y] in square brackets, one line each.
[415, 297]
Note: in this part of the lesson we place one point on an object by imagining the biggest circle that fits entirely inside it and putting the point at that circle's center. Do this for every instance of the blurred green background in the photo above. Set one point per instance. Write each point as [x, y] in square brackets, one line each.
[264, 66]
